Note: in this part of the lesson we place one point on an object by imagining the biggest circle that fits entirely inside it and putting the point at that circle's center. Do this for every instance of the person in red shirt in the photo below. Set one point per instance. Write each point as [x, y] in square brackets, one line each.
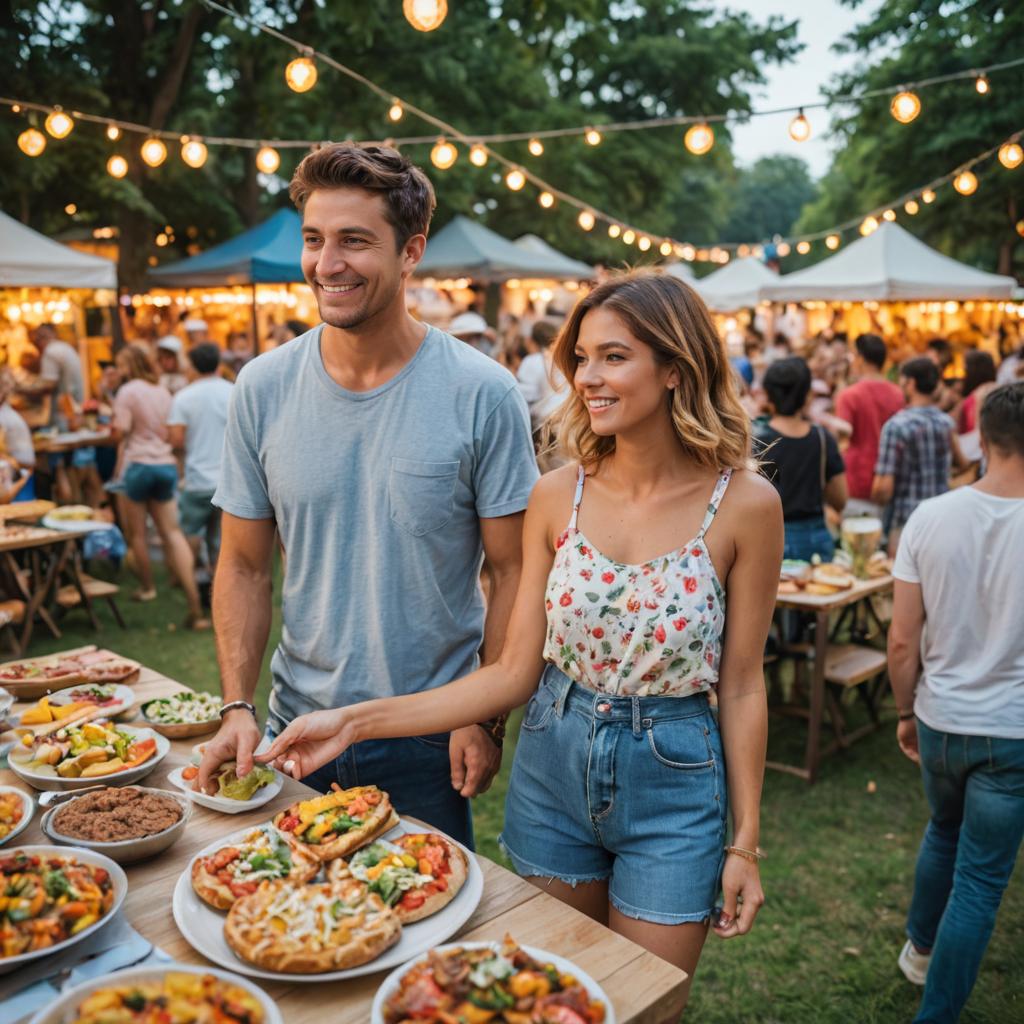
[866, 405]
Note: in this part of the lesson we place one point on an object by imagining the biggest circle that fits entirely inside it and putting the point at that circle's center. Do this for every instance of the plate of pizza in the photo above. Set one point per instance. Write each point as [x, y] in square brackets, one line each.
[253, 944]
[339, 822]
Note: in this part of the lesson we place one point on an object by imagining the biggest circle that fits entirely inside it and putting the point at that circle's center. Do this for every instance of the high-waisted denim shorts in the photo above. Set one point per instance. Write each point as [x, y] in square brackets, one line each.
[628, 789]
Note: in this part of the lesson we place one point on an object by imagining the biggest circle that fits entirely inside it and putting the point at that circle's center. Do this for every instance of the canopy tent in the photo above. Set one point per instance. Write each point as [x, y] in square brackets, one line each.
[465, 248]
[536, 245]
[889, 265]
[31, 260]
[738, 285]
[681, 270]
[269, 253]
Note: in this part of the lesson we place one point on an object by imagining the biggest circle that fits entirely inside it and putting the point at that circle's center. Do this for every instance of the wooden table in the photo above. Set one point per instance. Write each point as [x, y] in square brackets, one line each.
[641, 986]
[52, 444]
[850, 659]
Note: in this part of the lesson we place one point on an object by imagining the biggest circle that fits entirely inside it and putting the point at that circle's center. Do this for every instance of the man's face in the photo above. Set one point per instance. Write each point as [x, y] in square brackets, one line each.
[908, 389]
[110, 377]
[349, 256]
[168, 361]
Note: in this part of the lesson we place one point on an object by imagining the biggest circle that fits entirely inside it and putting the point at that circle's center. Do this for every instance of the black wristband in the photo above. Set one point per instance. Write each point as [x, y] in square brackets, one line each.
[906, 716]
[495, 729]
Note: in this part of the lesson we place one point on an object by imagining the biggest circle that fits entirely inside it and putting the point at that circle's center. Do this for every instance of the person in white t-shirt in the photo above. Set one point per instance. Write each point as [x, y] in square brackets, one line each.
[541, 383]
[956, 661]
[196, 425]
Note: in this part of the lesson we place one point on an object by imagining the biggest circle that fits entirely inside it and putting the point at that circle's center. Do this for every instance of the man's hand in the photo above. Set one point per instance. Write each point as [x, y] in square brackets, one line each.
[237, 738]
[906, 736]
[475, 760]
[311, 741]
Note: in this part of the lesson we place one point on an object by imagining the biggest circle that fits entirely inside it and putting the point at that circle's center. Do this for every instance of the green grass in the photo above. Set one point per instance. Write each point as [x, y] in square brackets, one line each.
[838, 876]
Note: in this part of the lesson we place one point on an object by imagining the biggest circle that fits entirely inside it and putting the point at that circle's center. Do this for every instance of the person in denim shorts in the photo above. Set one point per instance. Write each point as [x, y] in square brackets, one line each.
[625, 775]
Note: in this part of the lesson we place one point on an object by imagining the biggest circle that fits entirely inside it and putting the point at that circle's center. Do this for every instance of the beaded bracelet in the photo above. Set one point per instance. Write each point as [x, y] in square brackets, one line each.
[752, 855]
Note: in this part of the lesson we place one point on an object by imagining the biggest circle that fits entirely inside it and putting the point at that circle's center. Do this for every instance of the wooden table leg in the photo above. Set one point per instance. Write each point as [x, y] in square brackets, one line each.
[43, 585]
[75, 573]
[817, 697]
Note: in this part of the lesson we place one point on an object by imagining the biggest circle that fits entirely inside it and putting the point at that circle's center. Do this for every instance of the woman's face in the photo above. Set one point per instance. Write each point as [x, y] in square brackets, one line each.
[618, 376]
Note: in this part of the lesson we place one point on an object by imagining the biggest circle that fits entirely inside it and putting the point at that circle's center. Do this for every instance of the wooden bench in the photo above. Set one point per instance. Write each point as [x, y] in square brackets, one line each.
[849, 666]
[68, 596]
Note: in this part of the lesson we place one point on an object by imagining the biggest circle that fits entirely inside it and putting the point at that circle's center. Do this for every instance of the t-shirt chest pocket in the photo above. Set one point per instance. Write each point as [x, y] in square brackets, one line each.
[422, 494]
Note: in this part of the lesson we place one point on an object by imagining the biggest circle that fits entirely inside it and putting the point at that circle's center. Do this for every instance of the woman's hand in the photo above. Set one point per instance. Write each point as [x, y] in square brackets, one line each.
[742, 897]
[311, 741]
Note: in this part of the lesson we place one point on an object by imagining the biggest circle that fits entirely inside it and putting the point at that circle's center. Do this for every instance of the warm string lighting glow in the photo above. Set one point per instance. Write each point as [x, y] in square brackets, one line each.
[113, 132]
[614, 231]
[889, 215]
[425, 15]
[868, 226]
[194, 153]
[800, 127]
[832, 242]
[154, 152]
[782, 249]
[515, 179]
[478, 155]
[981, 85]
[905, 106]
[300, 74]
[443, 155]
[927, 196]
[268, 159]
[1011, 155]
[535, 146]
[699, 139]
[665, 248]
[592, 137]
[32, 142]
[58, 124]
[644, 243]
[803, 247]
[546, 199]
[911, 207]
[117, 166]
[586, 220]
[395, 111]
[966, 183]
[629, 236]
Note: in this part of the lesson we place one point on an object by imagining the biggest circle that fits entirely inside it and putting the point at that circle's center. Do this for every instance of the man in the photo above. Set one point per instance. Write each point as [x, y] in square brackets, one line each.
[956, 639]
[391, 458]
[866, 405]
[947, 394]
[168, 357]
[195, 428]
[473, 330]
[916, 449]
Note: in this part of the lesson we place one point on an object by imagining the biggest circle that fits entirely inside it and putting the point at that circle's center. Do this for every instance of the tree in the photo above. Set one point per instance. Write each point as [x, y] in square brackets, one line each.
[768, 199]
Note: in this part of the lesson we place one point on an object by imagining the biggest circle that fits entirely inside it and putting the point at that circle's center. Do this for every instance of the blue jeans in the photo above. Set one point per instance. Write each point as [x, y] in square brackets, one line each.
[415, 773]
[975, 788]
[808, 537]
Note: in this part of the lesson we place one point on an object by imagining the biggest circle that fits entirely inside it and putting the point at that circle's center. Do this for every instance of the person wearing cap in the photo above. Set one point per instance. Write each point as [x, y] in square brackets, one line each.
[168, 357]
[473, 330]
[196, 330]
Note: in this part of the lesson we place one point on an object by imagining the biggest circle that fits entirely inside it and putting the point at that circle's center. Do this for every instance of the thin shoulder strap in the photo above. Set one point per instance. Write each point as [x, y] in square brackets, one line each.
[716, 499]
[581, 476]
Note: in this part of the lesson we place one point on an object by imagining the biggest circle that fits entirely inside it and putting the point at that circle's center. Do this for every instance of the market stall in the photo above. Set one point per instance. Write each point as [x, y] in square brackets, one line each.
[741, 284]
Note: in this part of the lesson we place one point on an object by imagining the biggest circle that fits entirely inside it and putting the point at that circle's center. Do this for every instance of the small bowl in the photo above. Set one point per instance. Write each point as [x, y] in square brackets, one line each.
[28, 807]
[178, 730]
[125, 851]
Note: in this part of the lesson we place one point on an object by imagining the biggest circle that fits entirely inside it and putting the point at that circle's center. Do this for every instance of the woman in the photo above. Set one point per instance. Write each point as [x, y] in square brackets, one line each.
[150, 476]
[619, 792]
[802, 460]
[979, 380]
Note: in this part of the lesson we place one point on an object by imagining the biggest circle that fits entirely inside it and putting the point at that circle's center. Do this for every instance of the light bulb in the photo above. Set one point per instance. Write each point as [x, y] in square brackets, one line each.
[585, 220]
[31, 142]
[782, 249]
[741, 250]
[665, 248]
[515, 179]
[300, 74]
[71, 209]
[928, 196]
[911, 206]
[58, 124]
[154, 152]
[699, 139]
[113, 132]
[1011, 155]
[981, 84]
[644, 244]
[803, 247]
[629, 236]
[425, 15]
[194, 153]
[905, 106]
[546, 199]
[966, 183]
[688, 253]
[395, 111]
[889, 215]
[868, 225]
[477, 155]
[443, 155]
[593, 137]
[832, 242]
[800, 128]
[535, 146]
[117, 167]
[268, 159]
[614, 231]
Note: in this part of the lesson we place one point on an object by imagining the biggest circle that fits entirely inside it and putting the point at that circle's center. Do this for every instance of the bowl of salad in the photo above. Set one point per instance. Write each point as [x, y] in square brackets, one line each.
[183, 714]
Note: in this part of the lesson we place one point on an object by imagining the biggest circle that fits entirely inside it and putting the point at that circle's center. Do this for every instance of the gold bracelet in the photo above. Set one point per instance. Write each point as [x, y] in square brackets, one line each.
[752, 855]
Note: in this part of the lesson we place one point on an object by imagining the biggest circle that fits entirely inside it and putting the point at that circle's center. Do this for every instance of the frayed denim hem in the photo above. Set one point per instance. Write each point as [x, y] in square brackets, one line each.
[654, 917]
[524, 867]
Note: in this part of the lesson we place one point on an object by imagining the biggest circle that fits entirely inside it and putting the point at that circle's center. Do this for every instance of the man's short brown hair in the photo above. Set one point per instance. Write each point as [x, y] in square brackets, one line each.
[1002, 419]
[408, 194]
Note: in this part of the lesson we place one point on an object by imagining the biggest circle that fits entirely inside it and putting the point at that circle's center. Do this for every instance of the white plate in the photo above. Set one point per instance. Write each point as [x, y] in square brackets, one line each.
[83, 856]
[203, 927]
[225, 804]
[121, 778]
[28, 807]
[124, 697]
[62, 1011]
[73, 525]
[390, 983]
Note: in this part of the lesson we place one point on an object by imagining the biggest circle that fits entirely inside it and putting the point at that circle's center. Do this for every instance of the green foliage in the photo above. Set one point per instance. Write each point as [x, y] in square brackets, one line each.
[767, 200]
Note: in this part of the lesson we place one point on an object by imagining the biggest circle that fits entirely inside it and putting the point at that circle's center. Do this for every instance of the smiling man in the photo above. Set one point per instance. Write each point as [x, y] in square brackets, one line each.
[391, 459]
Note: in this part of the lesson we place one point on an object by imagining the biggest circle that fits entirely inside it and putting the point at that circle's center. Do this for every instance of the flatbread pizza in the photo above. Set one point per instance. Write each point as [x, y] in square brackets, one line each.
[238, 870]
[311, 929]
[417, 874]
[338, 822]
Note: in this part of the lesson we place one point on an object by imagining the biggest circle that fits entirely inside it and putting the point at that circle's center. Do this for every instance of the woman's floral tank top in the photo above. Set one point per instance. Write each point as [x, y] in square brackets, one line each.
[636, 630]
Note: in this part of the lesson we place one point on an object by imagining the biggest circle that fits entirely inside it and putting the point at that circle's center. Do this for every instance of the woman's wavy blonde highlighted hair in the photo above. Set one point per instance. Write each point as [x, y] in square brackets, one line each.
[669, 316]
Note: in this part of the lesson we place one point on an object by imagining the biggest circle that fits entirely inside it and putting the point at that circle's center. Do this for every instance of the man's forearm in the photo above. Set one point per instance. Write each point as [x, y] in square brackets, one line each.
[904, 669]
[504, 584]
[241, 618]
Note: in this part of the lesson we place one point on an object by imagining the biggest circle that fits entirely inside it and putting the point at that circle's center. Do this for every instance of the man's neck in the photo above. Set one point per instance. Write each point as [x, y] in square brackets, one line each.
[872, 374]
[920, 401]
[368, 356]
[1004, 476]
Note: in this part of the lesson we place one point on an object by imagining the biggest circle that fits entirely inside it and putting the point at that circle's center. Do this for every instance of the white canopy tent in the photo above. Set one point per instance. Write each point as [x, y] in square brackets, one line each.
[889, 265]
[738, 285]
[681, 270]
[31, 260]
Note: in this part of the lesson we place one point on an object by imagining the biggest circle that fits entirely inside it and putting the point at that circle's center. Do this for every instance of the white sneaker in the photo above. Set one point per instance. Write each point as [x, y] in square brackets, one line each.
[914, 965]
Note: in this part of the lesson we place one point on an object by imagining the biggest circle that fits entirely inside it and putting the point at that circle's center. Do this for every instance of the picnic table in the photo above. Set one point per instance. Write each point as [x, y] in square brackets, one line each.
[848, 664]
[640, 985]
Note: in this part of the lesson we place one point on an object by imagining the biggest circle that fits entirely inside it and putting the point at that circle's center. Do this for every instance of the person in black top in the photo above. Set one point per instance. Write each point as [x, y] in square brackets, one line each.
[801, 459]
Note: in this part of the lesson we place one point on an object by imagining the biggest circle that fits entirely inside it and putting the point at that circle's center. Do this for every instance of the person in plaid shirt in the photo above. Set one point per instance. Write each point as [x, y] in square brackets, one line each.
[916, 451]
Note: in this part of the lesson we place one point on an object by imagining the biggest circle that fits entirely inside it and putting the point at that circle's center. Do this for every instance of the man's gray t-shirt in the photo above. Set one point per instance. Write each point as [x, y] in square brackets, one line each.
[60, 364]
[377, 496]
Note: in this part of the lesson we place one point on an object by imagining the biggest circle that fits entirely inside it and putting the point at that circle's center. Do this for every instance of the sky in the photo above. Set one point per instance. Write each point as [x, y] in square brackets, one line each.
[821, 23]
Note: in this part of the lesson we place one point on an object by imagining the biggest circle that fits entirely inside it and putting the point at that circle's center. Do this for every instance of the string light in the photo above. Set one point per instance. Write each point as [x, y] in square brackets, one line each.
[425, 15]
[194, 153]
[586, 220]
[911, 207]
[614, 231]
[782, 249]
[889, 215]
[31, 142]
[927, 196]
[800, 127]
[300, 74]
[592, 137]
[268, 159]
[546, 199]
[644, 243]
[71, 209]
[443, 155]
[966, 183]
[832, 242]
[803, 247]
[905, 106]
[629, 236]
[117, 167]
[154, 152]
[58, 124]
[515, 179]
[396, 111]
[535, 146]
[699, 139]
[981, 84]
[1011, 155]
[113, 132]
[478, 155]
[688, 253]
[665, 248]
